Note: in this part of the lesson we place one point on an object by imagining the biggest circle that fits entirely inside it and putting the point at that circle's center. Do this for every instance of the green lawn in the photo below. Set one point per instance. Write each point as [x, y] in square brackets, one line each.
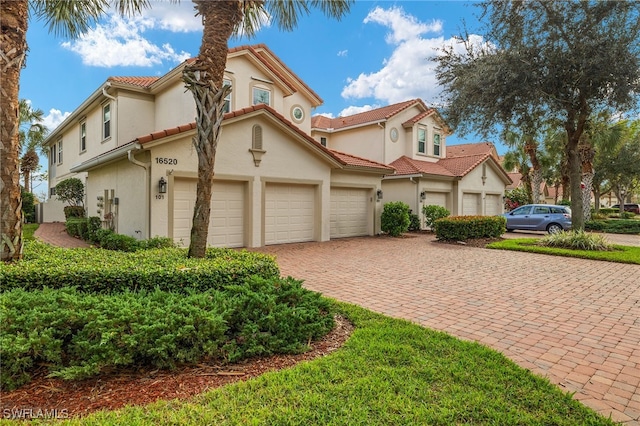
[621, 254]
[28, 229]
[390, 372]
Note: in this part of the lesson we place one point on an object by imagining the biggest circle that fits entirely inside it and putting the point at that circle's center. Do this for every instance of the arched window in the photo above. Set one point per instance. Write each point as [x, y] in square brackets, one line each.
[256, 137]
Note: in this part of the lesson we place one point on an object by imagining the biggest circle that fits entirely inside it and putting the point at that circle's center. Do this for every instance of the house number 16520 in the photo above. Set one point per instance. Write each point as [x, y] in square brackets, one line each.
[165, 160]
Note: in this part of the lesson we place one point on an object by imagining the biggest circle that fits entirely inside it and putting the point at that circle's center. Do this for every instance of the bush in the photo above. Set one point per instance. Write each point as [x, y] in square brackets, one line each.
[515, 198]
[627, 215]
[433, 213]
[94, 224]
[73, 211]
[576, 240]
[77, 335]
[28, 206]
[462, 228]
[395, 218]
[77, 227]
[414, 222]
[564, 203]
[614, 226]
[156, 243]
[119, 242]
[104, 271]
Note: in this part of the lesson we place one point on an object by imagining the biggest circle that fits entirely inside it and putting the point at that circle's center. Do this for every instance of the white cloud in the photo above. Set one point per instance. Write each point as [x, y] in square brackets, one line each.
[119, 42]
[175, 17]
[356, 110]
[54, 118]
[409, 72]
[343, 53]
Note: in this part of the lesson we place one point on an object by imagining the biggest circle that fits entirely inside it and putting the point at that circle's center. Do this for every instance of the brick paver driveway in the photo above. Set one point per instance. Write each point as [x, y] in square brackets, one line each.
[574, 321]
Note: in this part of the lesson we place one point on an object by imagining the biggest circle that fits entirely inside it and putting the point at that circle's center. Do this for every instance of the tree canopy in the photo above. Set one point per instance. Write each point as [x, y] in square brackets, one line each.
[558, 61]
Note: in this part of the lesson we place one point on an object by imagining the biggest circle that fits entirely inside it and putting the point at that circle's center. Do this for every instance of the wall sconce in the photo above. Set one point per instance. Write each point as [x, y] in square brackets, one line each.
[162, 186]
[423, 195]
[379, 194]
[484, 179]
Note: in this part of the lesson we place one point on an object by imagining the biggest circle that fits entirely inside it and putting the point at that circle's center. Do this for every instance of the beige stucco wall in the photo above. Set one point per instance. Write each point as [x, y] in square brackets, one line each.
[135, 116]
[366, 142]
[472, 183]
[401, 190]
[128, 183]
[174, 106]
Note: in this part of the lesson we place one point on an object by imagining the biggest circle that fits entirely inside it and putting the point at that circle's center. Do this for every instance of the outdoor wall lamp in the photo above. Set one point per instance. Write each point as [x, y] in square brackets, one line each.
[379, 194]
[423, 195]
[162, 186]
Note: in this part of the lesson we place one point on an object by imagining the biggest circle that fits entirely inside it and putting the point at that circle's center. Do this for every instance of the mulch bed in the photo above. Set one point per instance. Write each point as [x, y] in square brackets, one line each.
[63, 399]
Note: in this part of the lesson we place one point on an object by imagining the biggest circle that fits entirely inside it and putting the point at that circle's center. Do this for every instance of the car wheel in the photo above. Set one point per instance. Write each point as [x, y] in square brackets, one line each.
[554, 228]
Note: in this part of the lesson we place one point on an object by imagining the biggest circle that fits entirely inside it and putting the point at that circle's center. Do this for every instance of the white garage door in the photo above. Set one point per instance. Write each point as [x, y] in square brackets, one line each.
[470, 204]
[492, 205]
[436, 199]
[289, 213]
[226, 226]
[349, 212]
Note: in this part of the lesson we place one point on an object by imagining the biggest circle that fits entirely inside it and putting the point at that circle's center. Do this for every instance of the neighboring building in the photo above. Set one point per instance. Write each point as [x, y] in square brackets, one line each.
[466, 179]
[278, 179]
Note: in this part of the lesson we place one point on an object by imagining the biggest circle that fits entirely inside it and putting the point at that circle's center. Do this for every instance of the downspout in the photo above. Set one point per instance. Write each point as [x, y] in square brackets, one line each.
[147, 202]
[104, 91]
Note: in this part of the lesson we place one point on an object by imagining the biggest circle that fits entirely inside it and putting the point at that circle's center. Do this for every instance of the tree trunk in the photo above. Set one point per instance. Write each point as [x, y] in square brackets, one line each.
[587, 179]
[204, 78]
[13, 47]
[531, 148]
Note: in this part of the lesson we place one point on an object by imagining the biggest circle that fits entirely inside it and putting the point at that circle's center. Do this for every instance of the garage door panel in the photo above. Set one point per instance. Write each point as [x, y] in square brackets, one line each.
[470, 204]
[349, 215]
[436, 199]
[289, 213]
[492, 205]
[226, 223]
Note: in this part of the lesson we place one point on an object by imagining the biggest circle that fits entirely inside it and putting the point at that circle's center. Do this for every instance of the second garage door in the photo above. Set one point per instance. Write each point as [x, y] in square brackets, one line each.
[436, 199]
[492, 205]
[470, 204]
[289, 213]
[349, 212]
[226, 225]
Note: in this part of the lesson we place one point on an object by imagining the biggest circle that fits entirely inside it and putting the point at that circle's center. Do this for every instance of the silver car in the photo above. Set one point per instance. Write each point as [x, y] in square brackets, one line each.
[539, 217]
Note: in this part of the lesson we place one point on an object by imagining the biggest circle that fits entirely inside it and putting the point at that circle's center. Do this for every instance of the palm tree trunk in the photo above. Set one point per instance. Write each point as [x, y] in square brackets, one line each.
[13, 48]
[204, 79]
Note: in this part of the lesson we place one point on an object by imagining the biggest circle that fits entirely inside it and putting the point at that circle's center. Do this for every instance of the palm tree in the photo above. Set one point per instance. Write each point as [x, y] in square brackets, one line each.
[31, 135]
[204, 78]
[65, 17]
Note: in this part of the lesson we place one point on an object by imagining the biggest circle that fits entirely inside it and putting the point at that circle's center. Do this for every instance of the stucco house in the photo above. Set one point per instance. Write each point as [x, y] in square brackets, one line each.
[131, 143]
[280, 175]
[411, 137]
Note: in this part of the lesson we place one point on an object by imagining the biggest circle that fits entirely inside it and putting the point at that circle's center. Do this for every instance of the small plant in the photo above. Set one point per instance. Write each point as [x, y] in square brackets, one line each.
[414, 222]
[432, 213]
[576, 240]
[395, 218]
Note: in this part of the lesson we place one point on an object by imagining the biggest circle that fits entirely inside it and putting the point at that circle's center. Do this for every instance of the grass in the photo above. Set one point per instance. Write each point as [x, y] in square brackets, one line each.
[390, 372]
[620, 254]
[28, 229]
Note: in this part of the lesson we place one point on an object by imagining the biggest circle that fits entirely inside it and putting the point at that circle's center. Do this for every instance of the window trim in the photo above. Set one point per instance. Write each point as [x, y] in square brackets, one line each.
[422, 130]
[253, 95]
[228, 100]
[83, 136]
[437, 145]
[105, 122]
[60, 151]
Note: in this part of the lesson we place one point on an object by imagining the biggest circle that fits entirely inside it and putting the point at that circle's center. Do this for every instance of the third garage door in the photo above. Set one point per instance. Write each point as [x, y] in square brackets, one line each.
[470, 204]
[349, 212]
[289, 213]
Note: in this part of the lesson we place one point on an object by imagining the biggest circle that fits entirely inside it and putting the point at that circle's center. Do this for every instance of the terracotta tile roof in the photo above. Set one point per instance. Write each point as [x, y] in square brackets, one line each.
[460, 166]
[467, 149]
[407, 166]
[135, 81]
[517, 180]
[372, 116]
[340, 157]
[415, 119]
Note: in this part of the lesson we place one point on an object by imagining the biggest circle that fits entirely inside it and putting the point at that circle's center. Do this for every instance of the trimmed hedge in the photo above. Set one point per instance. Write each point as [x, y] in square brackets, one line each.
[461, 228]
[76, 335]
[104, 271]
[395, 219]
[614, 226]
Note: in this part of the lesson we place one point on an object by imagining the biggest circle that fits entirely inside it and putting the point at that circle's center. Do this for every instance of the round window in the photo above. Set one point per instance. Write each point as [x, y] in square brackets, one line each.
[394, 134]
[297, 113]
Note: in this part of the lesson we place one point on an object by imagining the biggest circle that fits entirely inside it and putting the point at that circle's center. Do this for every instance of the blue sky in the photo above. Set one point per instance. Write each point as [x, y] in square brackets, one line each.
[375, 56]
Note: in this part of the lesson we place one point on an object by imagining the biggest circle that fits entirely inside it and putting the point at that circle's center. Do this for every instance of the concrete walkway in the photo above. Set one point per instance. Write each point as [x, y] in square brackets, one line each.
[574, 321]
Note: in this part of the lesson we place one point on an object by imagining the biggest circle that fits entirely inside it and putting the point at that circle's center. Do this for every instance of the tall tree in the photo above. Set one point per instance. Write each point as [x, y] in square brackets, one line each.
[204, 78]
[65, 17]
[561, 60]
[31, 135]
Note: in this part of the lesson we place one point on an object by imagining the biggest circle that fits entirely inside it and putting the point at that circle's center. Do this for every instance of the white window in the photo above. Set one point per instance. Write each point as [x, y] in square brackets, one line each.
[436, 145]
[261, 96]
[227, 99]
[422, 140]
[83, 137]
[52, 154]
[60, 152]
[106, 121]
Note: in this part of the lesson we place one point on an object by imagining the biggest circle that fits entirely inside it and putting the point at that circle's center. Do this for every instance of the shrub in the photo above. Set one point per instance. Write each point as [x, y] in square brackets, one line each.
[28, 206]
[94, 224]
[104, 271]
[614, 226]
[76, 227]
[461, 228]
[627, 215]
[77, 335]
[564, 203]
[119, 242]
[73, 211]
[414, 222]
[515, 198]
[576, 240]
[433, 213]
[70, 191]
[395, 218]
[156, 242]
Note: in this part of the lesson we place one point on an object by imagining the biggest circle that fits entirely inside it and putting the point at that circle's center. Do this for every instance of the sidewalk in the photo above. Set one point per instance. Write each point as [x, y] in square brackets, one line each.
[56, 234]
